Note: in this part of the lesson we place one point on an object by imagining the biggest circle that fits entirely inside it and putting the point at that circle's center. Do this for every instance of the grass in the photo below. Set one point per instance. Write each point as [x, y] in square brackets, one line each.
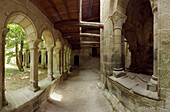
[11, 72]
[13, 83]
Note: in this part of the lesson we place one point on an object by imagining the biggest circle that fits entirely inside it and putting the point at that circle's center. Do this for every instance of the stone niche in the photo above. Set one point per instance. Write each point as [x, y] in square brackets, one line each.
[138, 31]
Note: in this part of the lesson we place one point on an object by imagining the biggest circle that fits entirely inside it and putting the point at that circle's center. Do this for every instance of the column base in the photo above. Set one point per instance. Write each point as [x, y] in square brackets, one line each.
[51, 77]
[5, 102]
[153, 84]
[118, 72]
[34, 89]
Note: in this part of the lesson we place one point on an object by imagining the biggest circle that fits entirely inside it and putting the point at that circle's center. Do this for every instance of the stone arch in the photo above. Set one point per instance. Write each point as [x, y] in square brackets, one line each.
[25, 22]
[137, 30]
[58, 44]
[48, 37]
[122, 5]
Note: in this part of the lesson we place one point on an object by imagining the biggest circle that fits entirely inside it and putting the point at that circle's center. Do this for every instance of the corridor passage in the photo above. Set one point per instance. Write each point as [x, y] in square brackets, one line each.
[79, 93]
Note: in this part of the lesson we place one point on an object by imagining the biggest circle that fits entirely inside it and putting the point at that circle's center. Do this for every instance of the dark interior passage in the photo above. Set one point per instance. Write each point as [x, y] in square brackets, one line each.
[139, 34]
[76, 60]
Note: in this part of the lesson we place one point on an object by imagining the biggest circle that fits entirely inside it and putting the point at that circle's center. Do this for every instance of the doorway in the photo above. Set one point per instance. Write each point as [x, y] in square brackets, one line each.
[94, 51]
[76, 60]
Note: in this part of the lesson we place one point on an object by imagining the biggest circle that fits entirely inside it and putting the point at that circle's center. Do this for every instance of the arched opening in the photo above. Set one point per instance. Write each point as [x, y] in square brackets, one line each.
[138, 31]
[21, 29]
[76, 60]
[49, 46]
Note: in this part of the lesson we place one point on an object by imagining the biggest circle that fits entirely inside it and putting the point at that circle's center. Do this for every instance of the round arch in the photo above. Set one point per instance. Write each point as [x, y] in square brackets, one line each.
[48, 37]
[25, 22]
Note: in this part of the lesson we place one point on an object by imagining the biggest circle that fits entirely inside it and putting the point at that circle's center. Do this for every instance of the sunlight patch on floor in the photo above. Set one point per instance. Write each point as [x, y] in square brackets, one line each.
[56, 97]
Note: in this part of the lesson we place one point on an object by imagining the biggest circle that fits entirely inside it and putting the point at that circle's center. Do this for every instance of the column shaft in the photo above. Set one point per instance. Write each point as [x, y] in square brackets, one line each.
[153, 84]
[118, 20]
[34, 69]
[3, 33]
[50, 63]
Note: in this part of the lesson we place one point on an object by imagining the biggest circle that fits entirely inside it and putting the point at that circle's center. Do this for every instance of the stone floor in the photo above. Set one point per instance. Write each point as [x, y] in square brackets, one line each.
[79, 93]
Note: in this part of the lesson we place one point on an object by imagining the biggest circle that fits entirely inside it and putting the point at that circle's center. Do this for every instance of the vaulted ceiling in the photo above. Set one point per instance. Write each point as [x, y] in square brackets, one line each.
[64, 14]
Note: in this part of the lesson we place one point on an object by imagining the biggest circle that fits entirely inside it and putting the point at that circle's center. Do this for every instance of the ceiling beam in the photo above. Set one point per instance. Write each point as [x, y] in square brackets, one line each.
[54, 7]
[90, 42]
[89, 46]
[70, 35]
[78, 24]
[66, 6]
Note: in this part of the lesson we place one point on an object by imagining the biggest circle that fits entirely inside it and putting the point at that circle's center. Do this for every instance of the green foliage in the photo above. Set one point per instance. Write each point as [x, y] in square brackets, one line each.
[14, 36]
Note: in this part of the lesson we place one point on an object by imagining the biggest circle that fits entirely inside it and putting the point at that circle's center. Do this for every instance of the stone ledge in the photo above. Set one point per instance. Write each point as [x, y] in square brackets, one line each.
[131, 100]
[24, 100]
[136, 85]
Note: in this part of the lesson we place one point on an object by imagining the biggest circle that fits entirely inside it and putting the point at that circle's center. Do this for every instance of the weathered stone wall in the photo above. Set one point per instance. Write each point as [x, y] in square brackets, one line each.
[106, 39]
[128, 99]
[164, 50]
[85, 57]
[138, 30]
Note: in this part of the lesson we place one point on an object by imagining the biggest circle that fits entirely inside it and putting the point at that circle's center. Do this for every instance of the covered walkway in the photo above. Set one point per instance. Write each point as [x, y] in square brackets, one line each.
[78, 93]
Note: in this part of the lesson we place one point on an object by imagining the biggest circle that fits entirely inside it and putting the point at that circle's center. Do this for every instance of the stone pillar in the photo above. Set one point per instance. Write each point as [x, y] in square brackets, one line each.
[69, 61]
[23, 57]
[34, 65]
[3, 33]
[43, 57]
[60, 62]
[153, 84]
[56, 61]
[65, 60]
[50, 62]
[118, 20]
[68, 67]
[26, 61]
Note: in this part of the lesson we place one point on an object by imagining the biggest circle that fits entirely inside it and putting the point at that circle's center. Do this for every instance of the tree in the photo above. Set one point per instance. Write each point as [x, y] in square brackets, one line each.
[15, 39]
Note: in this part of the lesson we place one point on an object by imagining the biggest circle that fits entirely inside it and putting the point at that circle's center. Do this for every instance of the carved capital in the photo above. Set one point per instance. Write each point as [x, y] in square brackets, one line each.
[154, 5]
[5, 31]
[118, 19]
[33, 44]
[50, 48]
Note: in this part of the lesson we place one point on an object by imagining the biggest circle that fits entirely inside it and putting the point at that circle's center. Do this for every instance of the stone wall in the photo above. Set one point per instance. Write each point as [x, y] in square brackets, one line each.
[138, 30]
[107, 39]
[164, 50]
[121, 96]
[85, 57]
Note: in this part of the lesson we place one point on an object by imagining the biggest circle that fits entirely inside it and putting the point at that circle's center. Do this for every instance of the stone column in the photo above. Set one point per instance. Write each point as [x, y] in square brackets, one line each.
[50, 62]
[43, 57]
[23, 57]
[118, 20]
[65, 60]
[26, 61]
[69, 62]
[3, 33]
[60, 62]
[153, 84]
[68, 67]
[56, 61]
[34, 65]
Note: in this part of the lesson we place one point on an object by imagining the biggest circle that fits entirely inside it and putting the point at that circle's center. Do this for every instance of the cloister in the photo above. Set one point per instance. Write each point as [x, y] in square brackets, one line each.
[124, 43]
